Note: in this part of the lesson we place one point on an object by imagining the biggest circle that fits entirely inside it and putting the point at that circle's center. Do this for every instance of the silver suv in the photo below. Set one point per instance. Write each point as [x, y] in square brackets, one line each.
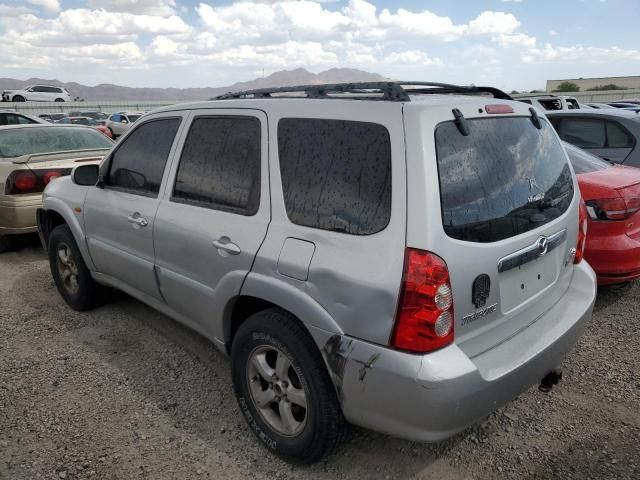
[404, 257]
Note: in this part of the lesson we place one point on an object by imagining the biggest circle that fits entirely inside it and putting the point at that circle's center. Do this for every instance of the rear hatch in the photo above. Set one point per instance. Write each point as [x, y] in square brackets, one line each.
[508, 220]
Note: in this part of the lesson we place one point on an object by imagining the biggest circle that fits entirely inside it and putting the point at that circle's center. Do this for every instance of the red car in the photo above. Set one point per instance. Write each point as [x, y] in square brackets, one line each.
[89, 122]
[612, 197]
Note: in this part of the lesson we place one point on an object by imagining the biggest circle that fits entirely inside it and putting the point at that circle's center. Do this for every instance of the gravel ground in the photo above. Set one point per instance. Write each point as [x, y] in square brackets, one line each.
[124, 392]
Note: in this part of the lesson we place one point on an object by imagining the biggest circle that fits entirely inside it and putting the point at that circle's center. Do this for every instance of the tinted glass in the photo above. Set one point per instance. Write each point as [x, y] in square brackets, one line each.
[336, 175]
[133, 118]
[617, 137]
[553, 104]
[138, 163]
[38, 89]
[583, 132]
[49, 139]
[220, 165]
[115, 117]
[584, 162]
[572, 104]
[13, 119]
[503, 179]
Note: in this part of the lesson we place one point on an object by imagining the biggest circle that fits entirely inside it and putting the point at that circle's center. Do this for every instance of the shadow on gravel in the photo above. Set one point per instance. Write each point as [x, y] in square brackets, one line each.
[188, 380]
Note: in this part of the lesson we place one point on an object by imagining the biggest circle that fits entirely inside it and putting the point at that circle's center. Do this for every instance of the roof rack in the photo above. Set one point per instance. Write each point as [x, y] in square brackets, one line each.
[386, 91]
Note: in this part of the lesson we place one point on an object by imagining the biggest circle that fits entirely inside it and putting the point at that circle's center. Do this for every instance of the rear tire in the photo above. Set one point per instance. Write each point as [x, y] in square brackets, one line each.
[18, 98]
[283, 388]
[70, 273]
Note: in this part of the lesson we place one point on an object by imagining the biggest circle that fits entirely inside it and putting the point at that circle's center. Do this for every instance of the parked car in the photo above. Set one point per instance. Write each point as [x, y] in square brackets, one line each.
[97, 116]
[37, 93]
[612, 196]
[611, 134]
[14, 118]
[88, 121]
[550, 102]
[623, 105]
[119, 123]
[373, 253]
[52, 117]
[30, 157]
[598, 106]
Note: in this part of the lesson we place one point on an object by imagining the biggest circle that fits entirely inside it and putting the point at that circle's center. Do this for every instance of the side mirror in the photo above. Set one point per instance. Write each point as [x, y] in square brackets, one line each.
[86, 175]
[124, 120]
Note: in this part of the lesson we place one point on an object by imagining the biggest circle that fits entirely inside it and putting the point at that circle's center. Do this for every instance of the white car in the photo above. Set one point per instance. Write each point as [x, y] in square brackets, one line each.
[549, 102]
[119, 122]
[37, 93]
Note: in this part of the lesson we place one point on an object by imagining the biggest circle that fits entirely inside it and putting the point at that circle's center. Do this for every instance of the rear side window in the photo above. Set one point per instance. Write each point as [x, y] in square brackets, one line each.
[220, 165]
[617, 137]
[503, 179]
[336, 174]
[138, 163]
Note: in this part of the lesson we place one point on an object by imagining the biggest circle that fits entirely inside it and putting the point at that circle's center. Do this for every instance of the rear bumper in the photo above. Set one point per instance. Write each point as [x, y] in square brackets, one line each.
[615, 259]
[432, 397]
[18, 213]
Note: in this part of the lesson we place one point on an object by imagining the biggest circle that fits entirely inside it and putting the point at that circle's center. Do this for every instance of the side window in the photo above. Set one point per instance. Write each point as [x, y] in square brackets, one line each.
[40, 89]
[138, 163]
[220, 165]
[617, 137]
[336, 174]
[24, 120]
[583, 132]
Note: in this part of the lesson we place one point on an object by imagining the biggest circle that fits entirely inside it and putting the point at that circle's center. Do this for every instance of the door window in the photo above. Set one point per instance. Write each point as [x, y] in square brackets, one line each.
[138, 163]
[583, 132]
[220, 165]
[336, 174]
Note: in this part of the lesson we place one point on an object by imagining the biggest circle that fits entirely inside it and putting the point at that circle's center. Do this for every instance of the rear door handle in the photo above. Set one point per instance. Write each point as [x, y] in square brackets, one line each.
[226, 246]
[136, 219]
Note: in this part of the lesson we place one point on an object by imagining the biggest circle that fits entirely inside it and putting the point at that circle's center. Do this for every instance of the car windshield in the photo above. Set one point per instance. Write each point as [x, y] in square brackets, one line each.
[584, 162]
[504, 178]
[16, 142]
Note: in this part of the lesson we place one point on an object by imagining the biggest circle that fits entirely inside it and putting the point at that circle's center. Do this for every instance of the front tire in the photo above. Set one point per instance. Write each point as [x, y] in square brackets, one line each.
[19, 98]
[283, 388]
[70, 273]
[59, 99]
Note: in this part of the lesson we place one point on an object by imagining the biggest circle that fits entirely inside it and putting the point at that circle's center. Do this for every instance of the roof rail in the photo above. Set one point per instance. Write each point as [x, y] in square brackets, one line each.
[394, 91]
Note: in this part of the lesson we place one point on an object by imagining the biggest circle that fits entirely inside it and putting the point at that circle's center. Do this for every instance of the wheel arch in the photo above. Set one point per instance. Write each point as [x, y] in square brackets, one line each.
[58, 213]
[261, 292]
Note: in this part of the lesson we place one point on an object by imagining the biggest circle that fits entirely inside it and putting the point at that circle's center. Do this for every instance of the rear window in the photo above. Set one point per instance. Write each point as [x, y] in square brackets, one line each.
[503, 179]
[49, 139]
[584, 162]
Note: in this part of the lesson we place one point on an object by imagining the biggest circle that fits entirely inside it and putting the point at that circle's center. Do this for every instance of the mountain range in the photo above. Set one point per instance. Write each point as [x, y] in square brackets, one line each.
[110, 92]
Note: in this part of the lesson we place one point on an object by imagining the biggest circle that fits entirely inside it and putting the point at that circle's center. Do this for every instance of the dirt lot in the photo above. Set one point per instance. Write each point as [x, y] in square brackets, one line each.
[124, 392]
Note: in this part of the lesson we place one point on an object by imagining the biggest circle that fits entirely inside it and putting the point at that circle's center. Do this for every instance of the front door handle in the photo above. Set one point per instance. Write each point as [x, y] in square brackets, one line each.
[136, 219]
[226, 247]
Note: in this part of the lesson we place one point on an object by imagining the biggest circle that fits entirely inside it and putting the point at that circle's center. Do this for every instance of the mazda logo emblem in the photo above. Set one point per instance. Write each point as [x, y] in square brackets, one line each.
[543, 246]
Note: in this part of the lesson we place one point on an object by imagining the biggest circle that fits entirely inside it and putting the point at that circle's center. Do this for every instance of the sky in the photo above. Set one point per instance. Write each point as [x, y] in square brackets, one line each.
[510, 44]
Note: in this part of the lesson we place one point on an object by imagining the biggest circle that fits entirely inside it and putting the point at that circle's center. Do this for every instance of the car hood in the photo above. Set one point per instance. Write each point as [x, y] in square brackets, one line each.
[600, 183]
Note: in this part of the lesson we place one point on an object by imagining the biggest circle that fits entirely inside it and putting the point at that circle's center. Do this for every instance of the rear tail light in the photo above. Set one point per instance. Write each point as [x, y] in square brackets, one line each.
[613, 208]
[582, 233]
[424, 320]
[32, 181]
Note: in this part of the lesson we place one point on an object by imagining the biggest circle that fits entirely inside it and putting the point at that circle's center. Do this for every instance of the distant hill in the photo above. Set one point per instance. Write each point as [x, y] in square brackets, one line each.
[109, 92]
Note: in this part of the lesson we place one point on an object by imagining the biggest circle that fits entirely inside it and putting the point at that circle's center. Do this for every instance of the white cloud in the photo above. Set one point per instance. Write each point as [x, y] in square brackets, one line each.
[49, 5]
[493, 22]
[143, 7]
[515, 40]
[577, 53]
[9, 11]
[412, 57]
